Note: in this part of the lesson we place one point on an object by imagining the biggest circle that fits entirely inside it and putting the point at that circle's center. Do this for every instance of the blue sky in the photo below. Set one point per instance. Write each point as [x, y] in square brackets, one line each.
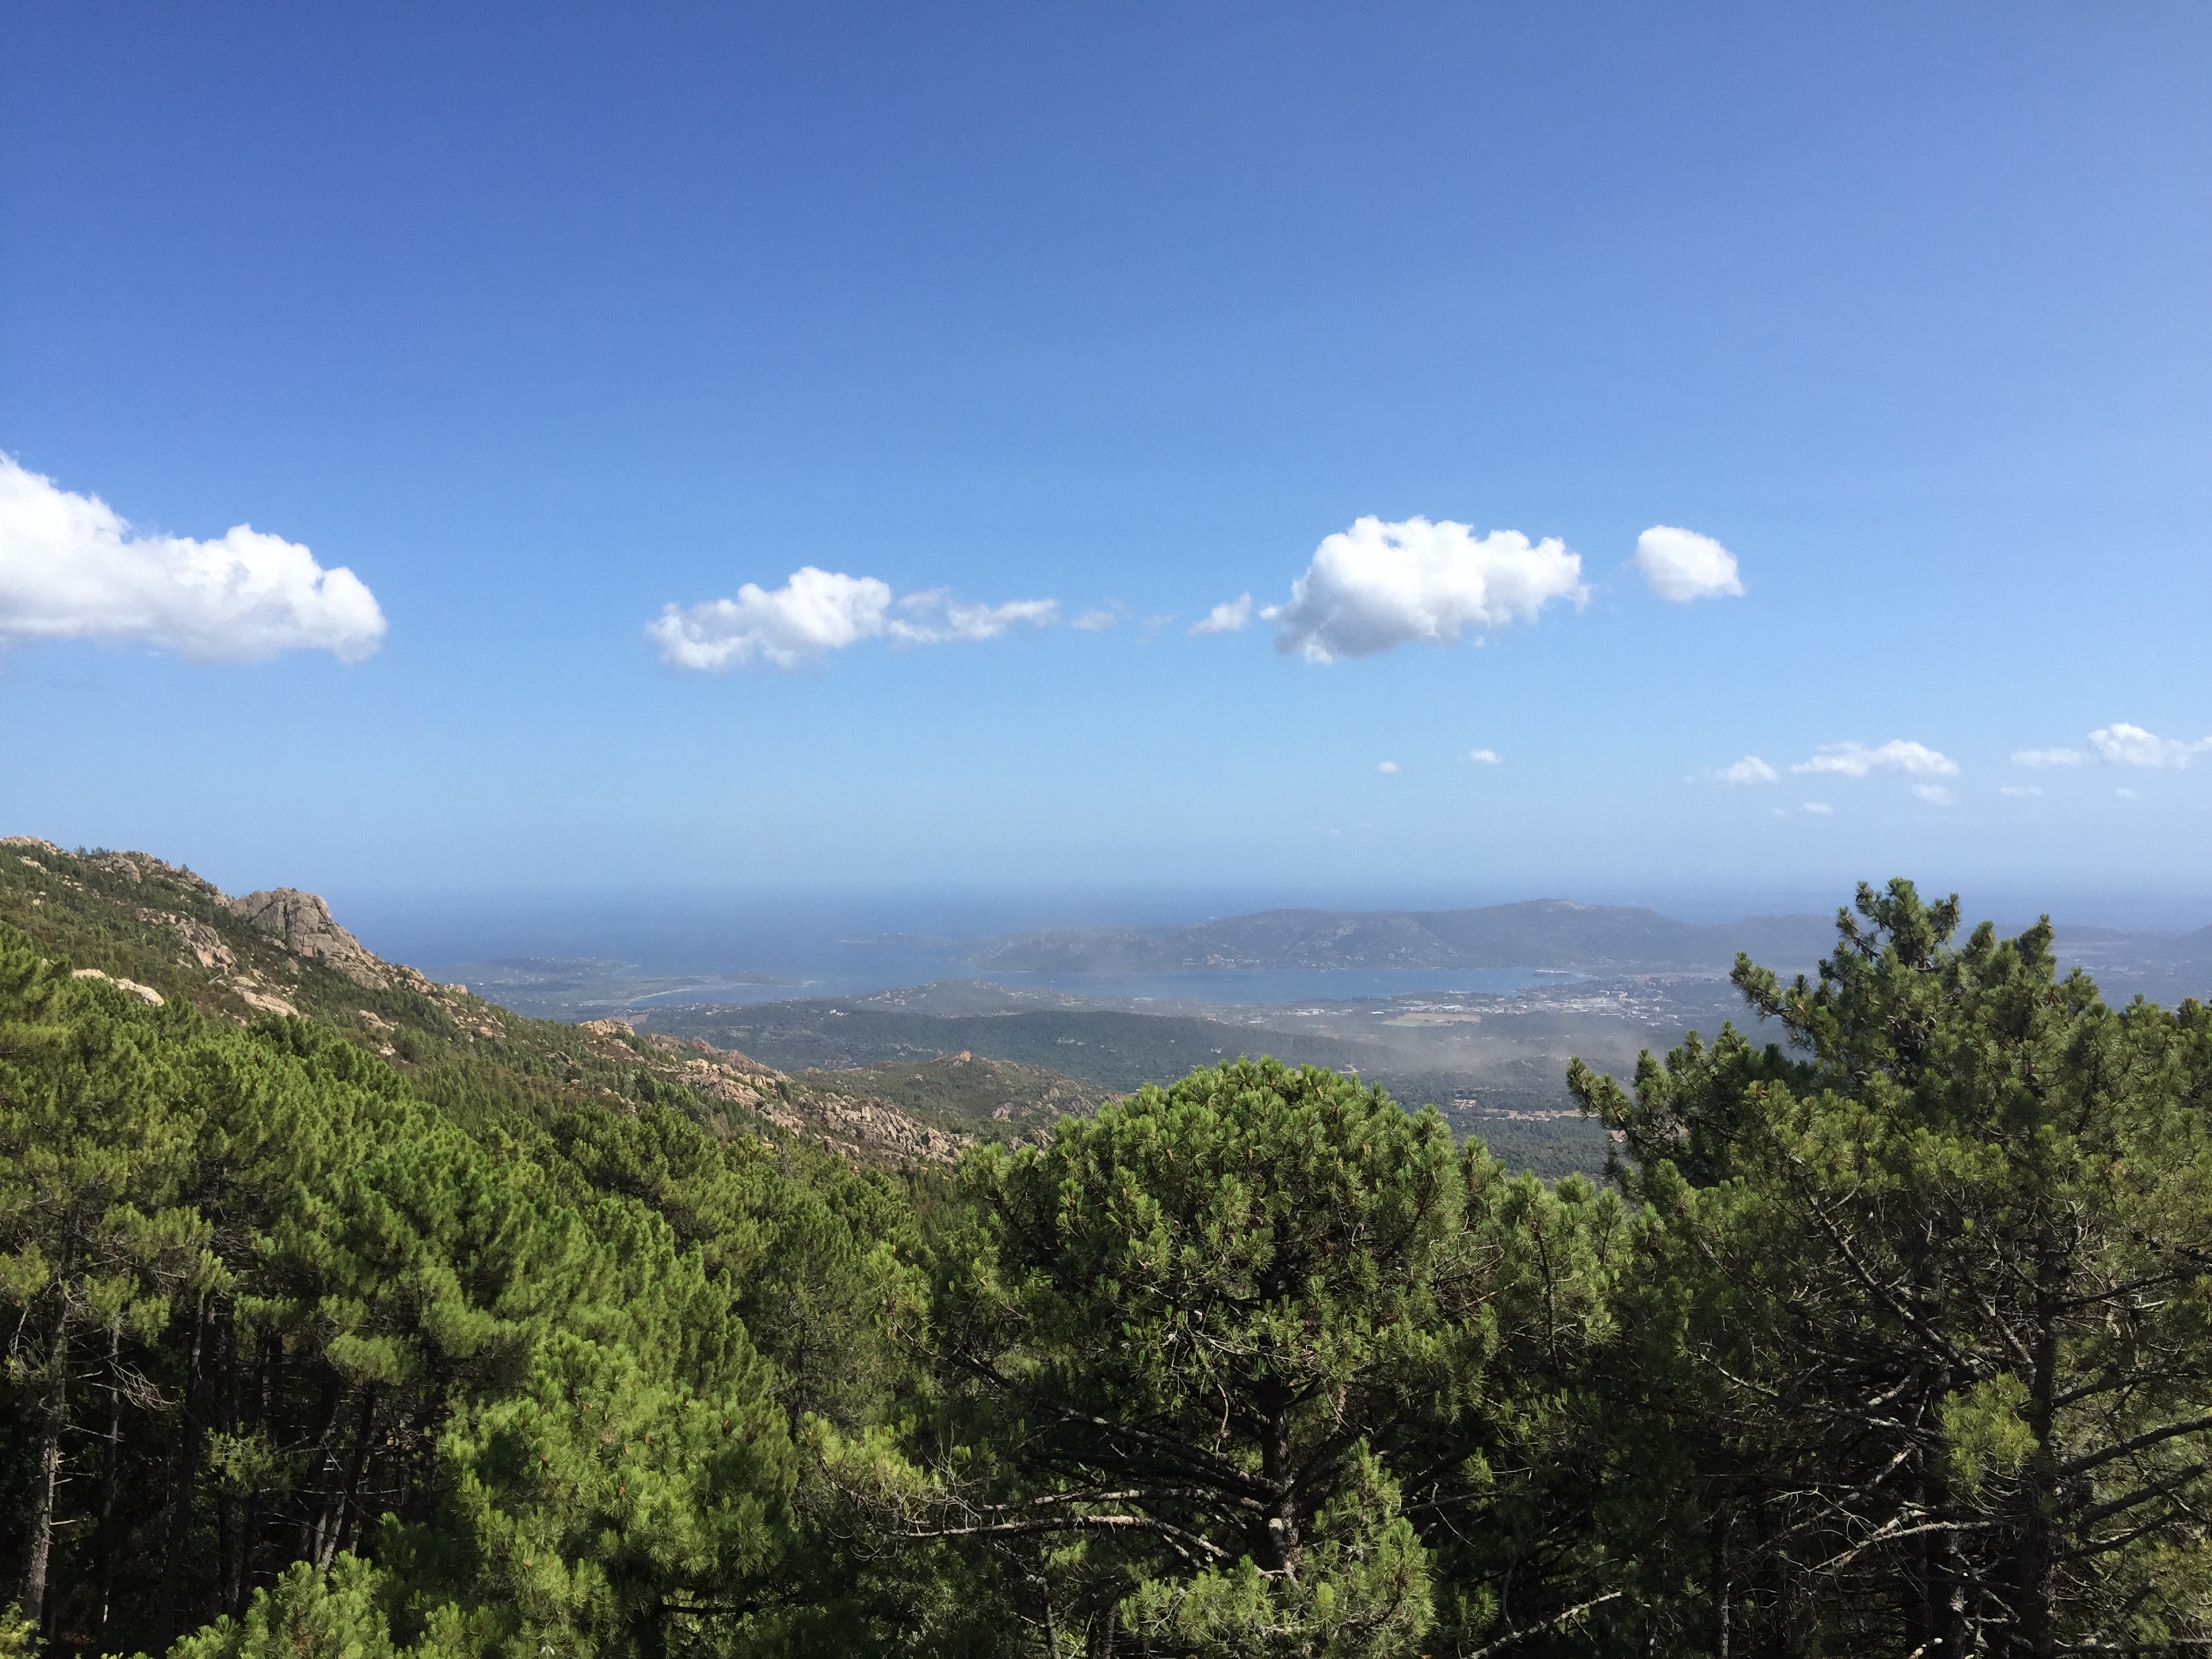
[540, 320]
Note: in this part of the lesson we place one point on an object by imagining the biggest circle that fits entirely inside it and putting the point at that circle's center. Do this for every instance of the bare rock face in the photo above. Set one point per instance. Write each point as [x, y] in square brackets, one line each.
[144, 992]
[304, 923]
[201, 942]
[253, 996]
[859, 1126]
[716, 1083]
[725, 1057]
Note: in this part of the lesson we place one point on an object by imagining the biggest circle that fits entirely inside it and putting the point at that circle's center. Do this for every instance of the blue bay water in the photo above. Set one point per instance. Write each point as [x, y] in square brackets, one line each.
[851, 946]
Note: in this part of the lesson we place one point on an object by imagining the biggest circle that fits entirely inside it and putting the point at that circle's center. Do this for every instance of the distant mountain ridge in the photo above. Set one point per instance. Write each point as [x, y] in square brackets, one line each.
[1537, 933]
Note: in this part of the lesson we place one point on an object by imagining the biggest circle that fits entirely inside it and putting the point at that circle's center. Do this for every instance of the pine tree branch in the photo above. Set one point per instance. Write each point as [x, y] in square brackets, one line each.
[1558, 1618]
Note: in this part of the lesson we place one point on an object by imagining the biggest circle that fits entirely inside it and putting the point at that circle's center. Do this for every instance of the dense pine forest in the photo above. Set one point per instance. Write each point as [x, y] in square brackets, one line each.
[380, 1323]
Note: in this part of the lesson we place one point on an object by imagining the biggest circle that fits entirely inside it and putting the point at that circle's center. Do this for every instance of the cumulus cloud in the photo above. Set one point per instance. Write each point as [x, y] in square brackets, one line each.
[1386, 766]
[2021, 791]
[2131, 746]
[1855, 760]
[1682, 565]
[2047, 757]
[1377, 586]
[1819, 808]
[816, 611]
[70, 569]
[1096, 622]
[1934, 793]
[1484, 756]
[1749, 770]
[1227, 617]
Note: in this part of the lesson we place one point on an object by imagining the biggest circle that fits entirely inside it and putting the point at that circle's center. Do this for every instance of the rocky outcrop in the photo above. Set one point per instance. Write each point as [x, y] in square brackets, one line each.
[140, 866]
[201, 942]
[130, 867]
[865, 1129]
[264, 1001]
[716, 1083]
[861, 1127]
[144, 992]
[304, 925]
[729, 1057]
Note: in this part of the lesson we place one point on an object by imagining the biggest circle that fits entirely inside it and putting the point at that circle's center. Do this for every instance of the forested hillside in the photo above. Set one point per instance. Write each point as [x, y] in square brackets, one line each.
[167, 935]
[385, 1323]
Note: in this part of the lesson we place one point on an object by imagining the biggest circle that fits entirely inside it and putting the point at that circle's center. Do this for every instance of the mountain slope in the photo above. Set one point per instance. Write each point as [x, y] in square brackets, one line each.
[162, 933]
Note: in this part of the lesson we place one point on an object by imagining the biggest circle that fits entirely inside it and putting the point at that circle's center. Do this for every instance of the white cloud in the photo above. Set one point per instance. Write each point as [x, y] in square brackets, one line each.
[1749, 770]
[2131, 746]
[2047, 757]
[1934, 793]
[1819, 807]
[1227, 617]
[72, 569]
[1385, 766]
[1096, 622]
[1484, 756]
[2021, 791]
[2125, 794]
[935, 617]
[816, 611]
[1855, 760]
[1682, 565]
[1377, 586]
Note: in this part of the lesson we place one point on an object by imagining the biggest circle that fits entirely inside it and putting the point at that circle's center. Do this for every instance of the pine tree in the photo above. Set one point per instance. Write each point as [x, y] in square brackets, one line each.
[1940, 1274]
[1197, 1347]
[96, 1136]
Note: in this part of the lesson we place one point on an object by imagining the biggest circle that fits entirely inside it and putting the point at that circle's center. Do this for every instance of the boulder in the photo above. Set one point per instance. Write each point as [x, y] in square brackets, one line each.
[303, 923]
[144, 992]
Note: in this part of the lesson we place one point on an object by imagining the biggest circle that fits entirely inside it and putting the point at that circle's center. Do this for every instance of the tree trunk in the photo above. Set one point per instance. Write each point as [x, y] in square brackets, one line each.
[315, 1520]
[188, 1472]
[1722, 1592]
[1919, 1588]
[53, 1417]
[264, 1422]
[328, 1546]
[1959, 1631]
[111, 1487]
[1284, 1548]
[225, 1414]
[2035, 1556]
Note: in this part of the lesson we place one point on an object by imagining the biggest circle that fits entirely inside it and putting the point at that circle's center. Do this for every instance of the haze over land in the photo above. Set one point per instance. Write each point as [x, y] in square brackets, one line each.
[1448, 1008]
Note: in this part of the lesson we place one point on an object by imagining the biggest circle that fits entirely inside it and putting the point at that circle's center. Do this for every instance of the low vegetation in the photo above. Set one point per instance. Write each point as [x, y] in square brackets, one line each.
[526, 1341]
[967, 1092]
